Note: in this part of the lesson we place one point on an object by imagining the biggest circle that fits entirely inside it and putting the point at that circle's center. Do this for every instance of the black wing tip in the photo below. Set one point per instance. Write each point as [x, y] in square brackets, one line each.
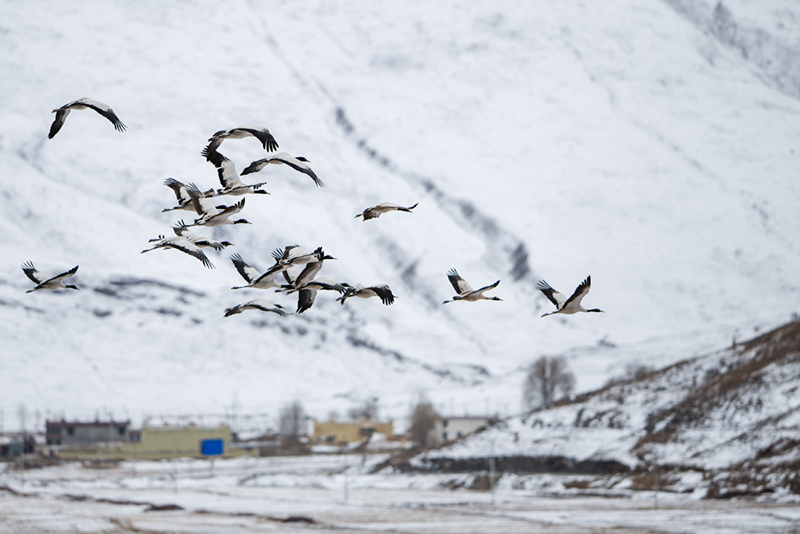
[250, 168]
[541, 284]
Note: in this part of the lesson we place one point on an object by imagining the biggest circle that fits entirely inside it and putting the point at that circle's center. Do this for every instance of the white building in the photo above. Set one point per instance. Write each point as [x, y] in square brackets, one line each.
[447, 428]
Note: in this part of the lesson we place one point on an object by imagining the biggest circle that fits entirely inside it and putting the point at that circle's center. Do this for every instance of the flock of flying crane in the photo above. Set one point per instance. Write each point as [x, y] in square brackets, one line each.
[287, 260]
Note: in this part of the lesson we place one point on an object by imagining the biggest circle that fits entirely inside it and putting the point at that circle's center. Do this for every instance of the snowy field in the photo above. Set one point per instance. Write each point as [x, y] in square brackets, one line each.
[335, 494]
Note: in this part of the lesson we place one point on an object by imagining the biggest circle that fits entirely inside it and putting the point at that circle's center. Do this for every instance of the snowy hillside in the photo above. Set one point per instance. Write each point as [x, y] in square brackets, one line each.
[732, 411]
[556, 140]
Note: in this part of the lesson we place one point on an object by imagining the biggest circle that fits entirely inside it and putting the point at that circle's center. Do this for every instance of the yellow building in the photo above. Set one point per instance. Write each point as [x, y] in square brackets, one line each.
[161, 442]
[348, 432]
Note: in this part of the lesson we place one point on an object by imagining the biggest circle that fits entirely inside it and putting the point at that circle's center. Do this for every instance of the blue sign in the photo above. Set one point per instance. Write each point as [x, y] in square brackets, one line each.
[212, 447]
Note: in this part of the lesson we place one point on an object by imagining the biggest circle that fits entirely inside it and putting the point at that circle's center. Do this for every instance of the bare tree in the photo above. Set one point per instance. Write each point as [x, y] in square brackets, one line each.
[291, 421]
[548, 380]
[423, 418]
[368, 411]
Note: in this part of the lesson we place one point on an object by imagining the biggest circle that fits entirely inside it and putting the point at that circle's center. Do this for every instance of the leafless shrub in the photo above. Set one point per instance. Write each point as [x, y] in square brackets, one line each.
[548, 380]
[423, 418]
[291, 421]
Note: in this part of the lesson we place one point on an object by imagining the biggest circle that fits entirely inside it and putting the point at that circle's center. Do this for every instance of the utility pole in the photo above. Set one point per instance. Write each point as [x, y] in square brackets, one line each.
[346, 480]
[657, 483]
[492, 471]
[175, 464]
[24, 444]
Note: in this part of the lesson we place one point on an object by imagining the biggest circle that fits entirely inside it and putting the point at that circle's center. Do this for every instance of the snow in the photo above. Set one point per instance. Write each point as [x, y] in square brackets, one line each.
[256, 494]
[730, 414]
[552, 140]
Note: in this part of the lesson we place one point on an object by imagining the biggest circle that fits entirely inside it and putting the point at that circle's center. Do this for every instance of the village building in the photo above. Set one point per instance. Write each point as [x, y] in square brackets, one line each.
[344, 432]
[63, 432]
[450, 428]
[159, 443]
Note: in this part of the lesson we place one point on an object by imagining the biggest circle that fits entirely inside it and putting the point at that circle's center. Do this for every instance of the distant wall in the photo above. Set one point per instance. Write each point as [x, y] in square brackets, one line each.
[517, 464]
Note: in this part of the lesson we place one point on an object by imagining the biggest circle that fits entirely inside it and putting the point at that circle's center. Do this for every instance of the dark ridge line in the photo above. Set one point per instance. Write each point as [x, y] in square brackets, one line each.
[510, 247]
[359, 342]
[123, 283]
[517, 251]
[759, 48]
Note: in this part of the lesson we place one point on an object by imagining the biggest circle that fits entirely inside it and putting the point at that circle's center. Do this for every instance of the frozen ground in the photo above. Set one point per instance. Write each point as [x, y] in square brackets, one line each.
[334, 494]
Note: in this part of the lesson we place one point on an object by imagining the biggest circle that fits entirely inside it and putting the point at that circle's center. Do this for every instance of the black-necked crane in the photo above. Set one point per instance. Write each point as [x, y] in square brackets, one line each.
[298, 163]
[382, 291]
[258, 280]
[376, 211]
[311, 269]
[180, 243]
[56, 282]
[83, 103]
[211, 215]
[256, 304]
[262, 134]
[228, 177]
[182, 230]
[565, 305]
[308, 275]
[295, 255]
[465, 291]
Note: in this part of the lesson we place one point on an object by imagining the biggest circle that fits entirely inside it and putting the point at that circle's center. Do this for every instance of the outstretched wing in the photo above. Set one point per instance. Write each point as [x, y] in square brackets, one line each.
[248, 273]
[262, 305]
[580, 292]
[31, 272]
[105, 111]
[557, 298]
[299, 164]
[57, 278]
[226, 170]
[58, 122]
[231, 210]
[179, 189]
[461, 286]
[384, 293]
[305, 299]
[186, 246]
[202, 205]
[256, 166]
[487, 288]
[267, 140]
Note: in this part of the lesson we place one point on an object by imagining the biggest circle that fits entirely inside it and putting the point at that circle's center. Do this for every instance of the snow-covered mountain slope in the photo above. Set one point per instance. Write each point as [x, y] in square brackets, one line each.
[731, 410]
[555, 140]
